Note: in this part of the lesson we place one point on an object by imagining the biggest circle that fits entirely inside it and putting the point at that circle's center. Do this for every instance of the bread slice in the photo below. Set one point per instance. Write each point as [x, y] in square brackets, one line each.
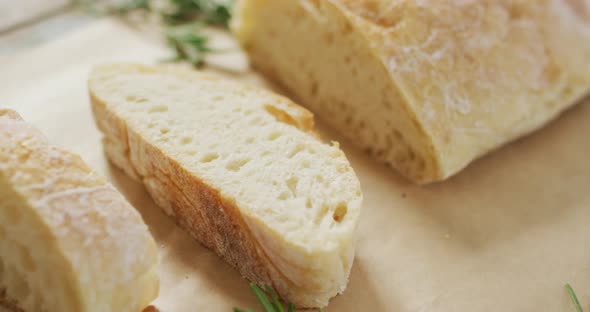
[425, 86]
[239, 169]
[69, 242]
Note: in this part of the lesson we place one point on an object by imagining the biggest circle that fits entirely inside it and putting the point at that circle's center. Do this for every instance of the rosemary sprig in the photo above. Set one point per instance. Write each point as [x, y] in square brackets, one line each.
[268, 300]
[188, 42]
[208, 11]
[574, 298]
[99, 8]
[183, 21]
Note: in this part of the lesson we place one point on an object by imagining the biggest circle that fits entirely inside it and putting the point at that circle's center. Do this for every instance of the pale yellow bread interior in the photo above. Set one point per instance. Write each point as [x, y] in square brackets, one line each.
[425, 86]
[240, 169]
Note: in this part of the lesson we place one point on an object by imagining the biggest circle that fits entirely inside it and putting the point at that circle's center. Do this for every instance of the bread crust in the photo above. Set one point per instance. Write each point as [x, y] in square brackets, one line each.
[195, 206]
[425, 86]
[63, 225]
[6, 302]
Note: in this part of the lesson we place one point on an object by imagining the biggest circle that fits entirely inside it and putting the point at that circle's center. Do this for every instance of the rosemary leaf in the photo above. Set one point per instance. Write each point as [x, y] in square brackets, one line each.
[268, 307]
[188, 42]
[213, 12]
[574, 298]
[275, 299]
[183, 21]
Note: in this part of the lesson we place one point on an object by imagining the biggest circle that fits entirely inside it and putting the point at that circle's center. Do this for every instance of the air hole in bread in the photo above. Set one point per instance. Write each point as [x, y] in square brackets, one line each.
[186, 140]
[308, 203]
[256, 120]
[164, 131]
[217, 98]
[298, 149]
[237, 164]
[292, 184]
[340, 212]
[283, 196]
[134, 99]
[250, 140]
[158, 109]
[209, 157]
[24, 156]
[343, 169]
[274, 135]
[281, 115]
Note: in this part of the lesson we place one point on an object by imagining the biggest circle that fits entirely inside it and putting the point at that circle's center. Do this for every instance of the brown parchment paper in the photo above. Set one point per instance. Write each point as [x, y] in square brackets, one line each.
[506, 234]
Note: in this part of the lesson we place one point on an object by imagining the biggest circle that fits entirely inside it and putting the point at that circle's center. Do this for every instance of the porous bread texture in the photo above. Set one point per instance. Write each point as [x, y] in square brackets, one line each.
[69, 242]
[426, 86]
[239, 169]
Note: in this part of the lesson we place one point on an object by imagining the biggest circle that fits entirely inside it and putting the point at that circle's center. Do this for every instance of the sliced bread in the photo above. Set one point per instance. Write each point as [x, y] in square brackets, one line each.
[69, 242]
[239, 169]
[426, 86]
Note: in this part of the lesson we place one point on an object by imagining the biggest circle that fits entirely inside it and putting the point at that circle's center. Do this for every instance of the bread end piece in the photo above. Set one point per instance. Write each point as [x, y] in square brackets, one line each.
[425, 88]
[68, 240]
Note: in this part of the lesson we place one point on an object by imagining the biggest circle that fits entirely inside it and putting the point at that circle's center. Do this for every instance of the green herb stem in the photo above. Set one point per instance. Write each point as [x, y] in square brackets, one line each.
[183, 20]
[574, 298]
[268, 307]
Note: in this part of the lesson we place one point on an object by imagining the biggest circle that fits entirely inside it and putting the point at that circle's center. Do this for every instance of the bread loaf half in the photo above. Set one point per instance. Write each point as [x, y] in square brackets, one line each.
[69, 242]
[239, 169]
[426, 86]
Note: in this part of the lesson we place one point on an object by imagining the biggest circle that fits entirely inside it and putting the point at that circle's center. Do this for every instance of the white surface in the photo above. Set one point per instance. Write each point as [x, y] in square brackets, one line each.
[21, 11]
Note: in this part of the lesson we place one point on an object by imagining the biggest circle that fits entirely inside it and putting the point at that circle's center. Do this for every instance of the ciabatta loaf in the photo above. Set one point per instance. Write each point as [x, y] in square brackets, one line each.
[69, 242]
[239, 169]
[425, 85]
